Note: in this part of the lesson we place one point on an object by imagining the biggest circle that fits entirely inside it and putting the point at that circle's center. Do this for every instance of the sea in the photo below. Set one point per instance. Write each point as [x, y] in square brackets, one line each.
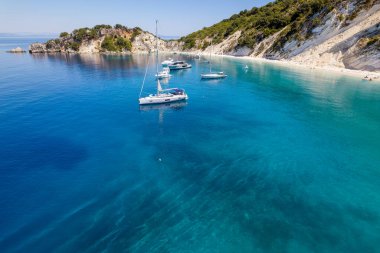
[270, 159]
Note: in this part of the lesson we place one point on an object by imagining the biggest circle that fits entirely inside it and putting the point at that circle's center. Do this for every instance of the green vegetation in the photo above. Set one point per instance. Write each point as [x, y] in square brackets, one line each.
[109, 44]
[63, 35]
[362, 5]
[136, 32]
[118, 26]
[116, 44]
[50, 44]
[86, 33]
[116, 39]
[375, 40]
[74, 46]
[259, 23]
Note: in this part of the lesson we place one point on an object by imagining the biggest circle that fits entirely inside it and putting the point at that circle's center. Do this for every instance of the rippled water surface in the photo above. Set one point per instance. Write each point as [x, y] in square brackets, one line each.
[272, 159]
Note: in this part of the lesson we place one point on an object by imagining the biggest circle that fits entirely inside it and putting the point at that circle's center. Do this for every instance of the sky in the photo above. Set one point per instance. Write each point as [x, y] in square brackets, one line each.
[176, 18]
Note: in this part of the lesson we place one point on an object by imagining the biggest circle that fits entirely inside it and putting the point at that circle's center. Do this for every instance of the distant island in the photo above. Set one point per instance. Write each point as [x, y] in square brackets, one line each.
[321, 33]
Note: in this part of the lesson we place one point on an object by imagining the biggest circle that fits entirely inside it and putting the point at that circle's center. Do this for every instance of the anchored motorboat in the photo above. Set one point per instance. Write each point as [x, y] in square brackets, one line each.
[177, 65]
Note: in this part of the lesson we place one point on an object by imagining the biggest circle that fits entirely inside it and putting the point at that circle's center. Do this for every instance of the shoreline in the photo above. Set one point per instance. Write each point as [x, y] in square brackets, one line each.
[375, 76]
[362, 74]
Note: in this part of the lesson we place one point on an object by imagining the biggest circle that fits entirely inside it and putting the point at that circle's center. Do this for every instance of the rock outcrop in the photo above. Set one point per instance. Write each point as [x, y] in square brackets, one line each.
[103, 39]
[17, 50]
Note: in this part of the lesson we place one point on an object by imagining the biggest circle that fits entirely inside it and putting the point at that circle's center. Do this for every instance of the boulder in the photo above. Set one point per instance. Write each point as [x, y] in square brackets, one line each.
[37, 48]
[17, 50]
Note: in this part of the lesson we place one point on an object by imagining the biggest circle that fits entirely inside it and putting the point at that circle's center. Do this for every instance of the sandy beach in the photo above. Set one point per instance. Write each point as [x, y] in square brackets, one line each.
[364, 75]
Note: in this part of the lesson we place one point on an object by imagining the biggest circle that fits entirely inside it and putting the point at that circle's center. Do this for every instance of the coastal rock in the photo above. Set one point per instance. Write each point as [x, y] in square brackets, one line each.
[17, 50]
[37, 48]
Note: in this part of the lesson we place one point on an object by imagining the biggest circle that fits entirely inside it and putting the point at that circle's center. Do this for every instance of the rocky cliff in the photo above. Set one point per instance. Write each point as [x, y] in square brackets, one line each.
[316, 32]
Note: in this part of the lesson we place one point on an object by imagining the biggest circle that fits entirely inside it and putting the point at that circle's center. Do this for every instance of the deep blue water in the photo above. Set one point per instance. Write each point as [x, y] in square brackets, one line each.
[269, 160]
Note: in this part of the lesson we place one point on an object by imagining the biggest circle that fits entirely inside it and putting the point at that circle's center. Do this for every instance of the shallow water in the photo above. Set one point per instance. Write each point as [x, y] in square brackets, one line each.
[268, 160]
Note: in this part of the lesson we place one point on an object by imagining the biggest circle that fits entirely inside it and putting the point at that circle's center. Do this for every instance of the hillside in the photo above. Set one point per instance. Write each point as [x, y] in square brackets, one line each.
[317, 32]
[323, 33]
[100, 39]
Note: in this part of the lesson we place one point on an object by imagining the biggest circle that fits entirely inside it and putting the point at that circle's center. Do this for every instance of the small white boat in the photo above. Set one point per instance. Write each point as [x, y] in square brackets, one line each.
[177, 65]
[164, 73]
[162, 95]
[214, 75]
[167, 62]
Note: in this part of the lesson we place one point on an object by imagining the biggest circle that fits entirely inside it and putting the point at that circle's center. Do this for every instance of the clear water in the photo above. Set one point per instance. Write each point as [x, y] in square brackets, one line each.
[269, 160]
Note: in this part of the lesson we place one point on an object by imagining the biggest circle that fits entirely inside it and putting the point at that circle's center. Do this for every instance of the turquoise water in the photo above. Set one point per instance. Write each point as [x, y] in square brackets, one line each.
[269, 160]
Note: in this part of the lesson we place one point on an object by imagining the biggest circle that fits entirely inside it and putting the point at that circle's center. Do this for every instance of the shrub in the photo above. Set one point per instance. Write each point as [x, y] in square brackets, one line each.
[74, 45]
[122, 43]
[136, 32]
[108, 44]
[205, 45]
[316, 22]
[50, 44]
[98, 27]
[373, 40]
[117, 44]
[63, 34]
[119, 26]
[80, 34]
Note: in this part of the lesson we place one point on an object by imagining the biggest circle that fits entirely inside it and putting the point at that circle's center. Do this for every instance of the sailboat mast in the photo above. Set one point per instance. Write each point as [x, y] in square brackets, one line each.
[158, 81]
[210, 56]
[156, 47]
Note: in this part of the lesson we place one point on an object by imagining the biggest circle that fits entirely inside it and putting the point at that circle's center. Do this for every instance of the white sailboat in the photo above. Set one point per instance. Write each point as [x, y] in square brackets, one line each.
[213, 75]
[162, 95]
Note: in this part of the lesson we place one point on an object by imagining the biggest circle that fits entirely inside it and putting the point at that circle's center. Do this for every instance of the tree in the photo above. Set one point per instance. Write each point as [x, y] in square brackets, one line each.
[63, 34]
[108, 44]
[122, 43]
[119, 26]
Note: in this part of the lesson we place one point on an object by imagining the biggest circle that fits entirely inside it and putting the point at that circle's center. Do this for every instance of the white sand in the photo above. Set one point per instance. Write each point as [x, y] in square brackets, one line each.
[374, 76]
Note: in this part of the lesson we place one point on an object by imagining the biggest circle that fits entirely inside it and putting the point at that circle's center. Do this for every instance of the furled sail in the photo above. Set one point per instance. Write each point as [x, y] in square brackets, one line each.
[159, 88]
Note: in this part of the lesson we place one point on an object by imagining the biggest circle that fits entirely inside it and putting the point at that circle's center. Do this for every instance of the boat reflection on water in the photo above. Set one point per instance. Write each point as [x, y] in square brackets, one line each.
[162, 108]
[164, 81]
[212, 81]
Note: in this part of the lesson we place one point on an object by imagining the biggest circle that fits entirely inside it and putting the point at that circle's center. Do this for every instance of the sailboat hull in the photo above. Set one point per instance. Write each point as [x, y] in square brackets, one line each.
[213, 76]
[161, 99]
